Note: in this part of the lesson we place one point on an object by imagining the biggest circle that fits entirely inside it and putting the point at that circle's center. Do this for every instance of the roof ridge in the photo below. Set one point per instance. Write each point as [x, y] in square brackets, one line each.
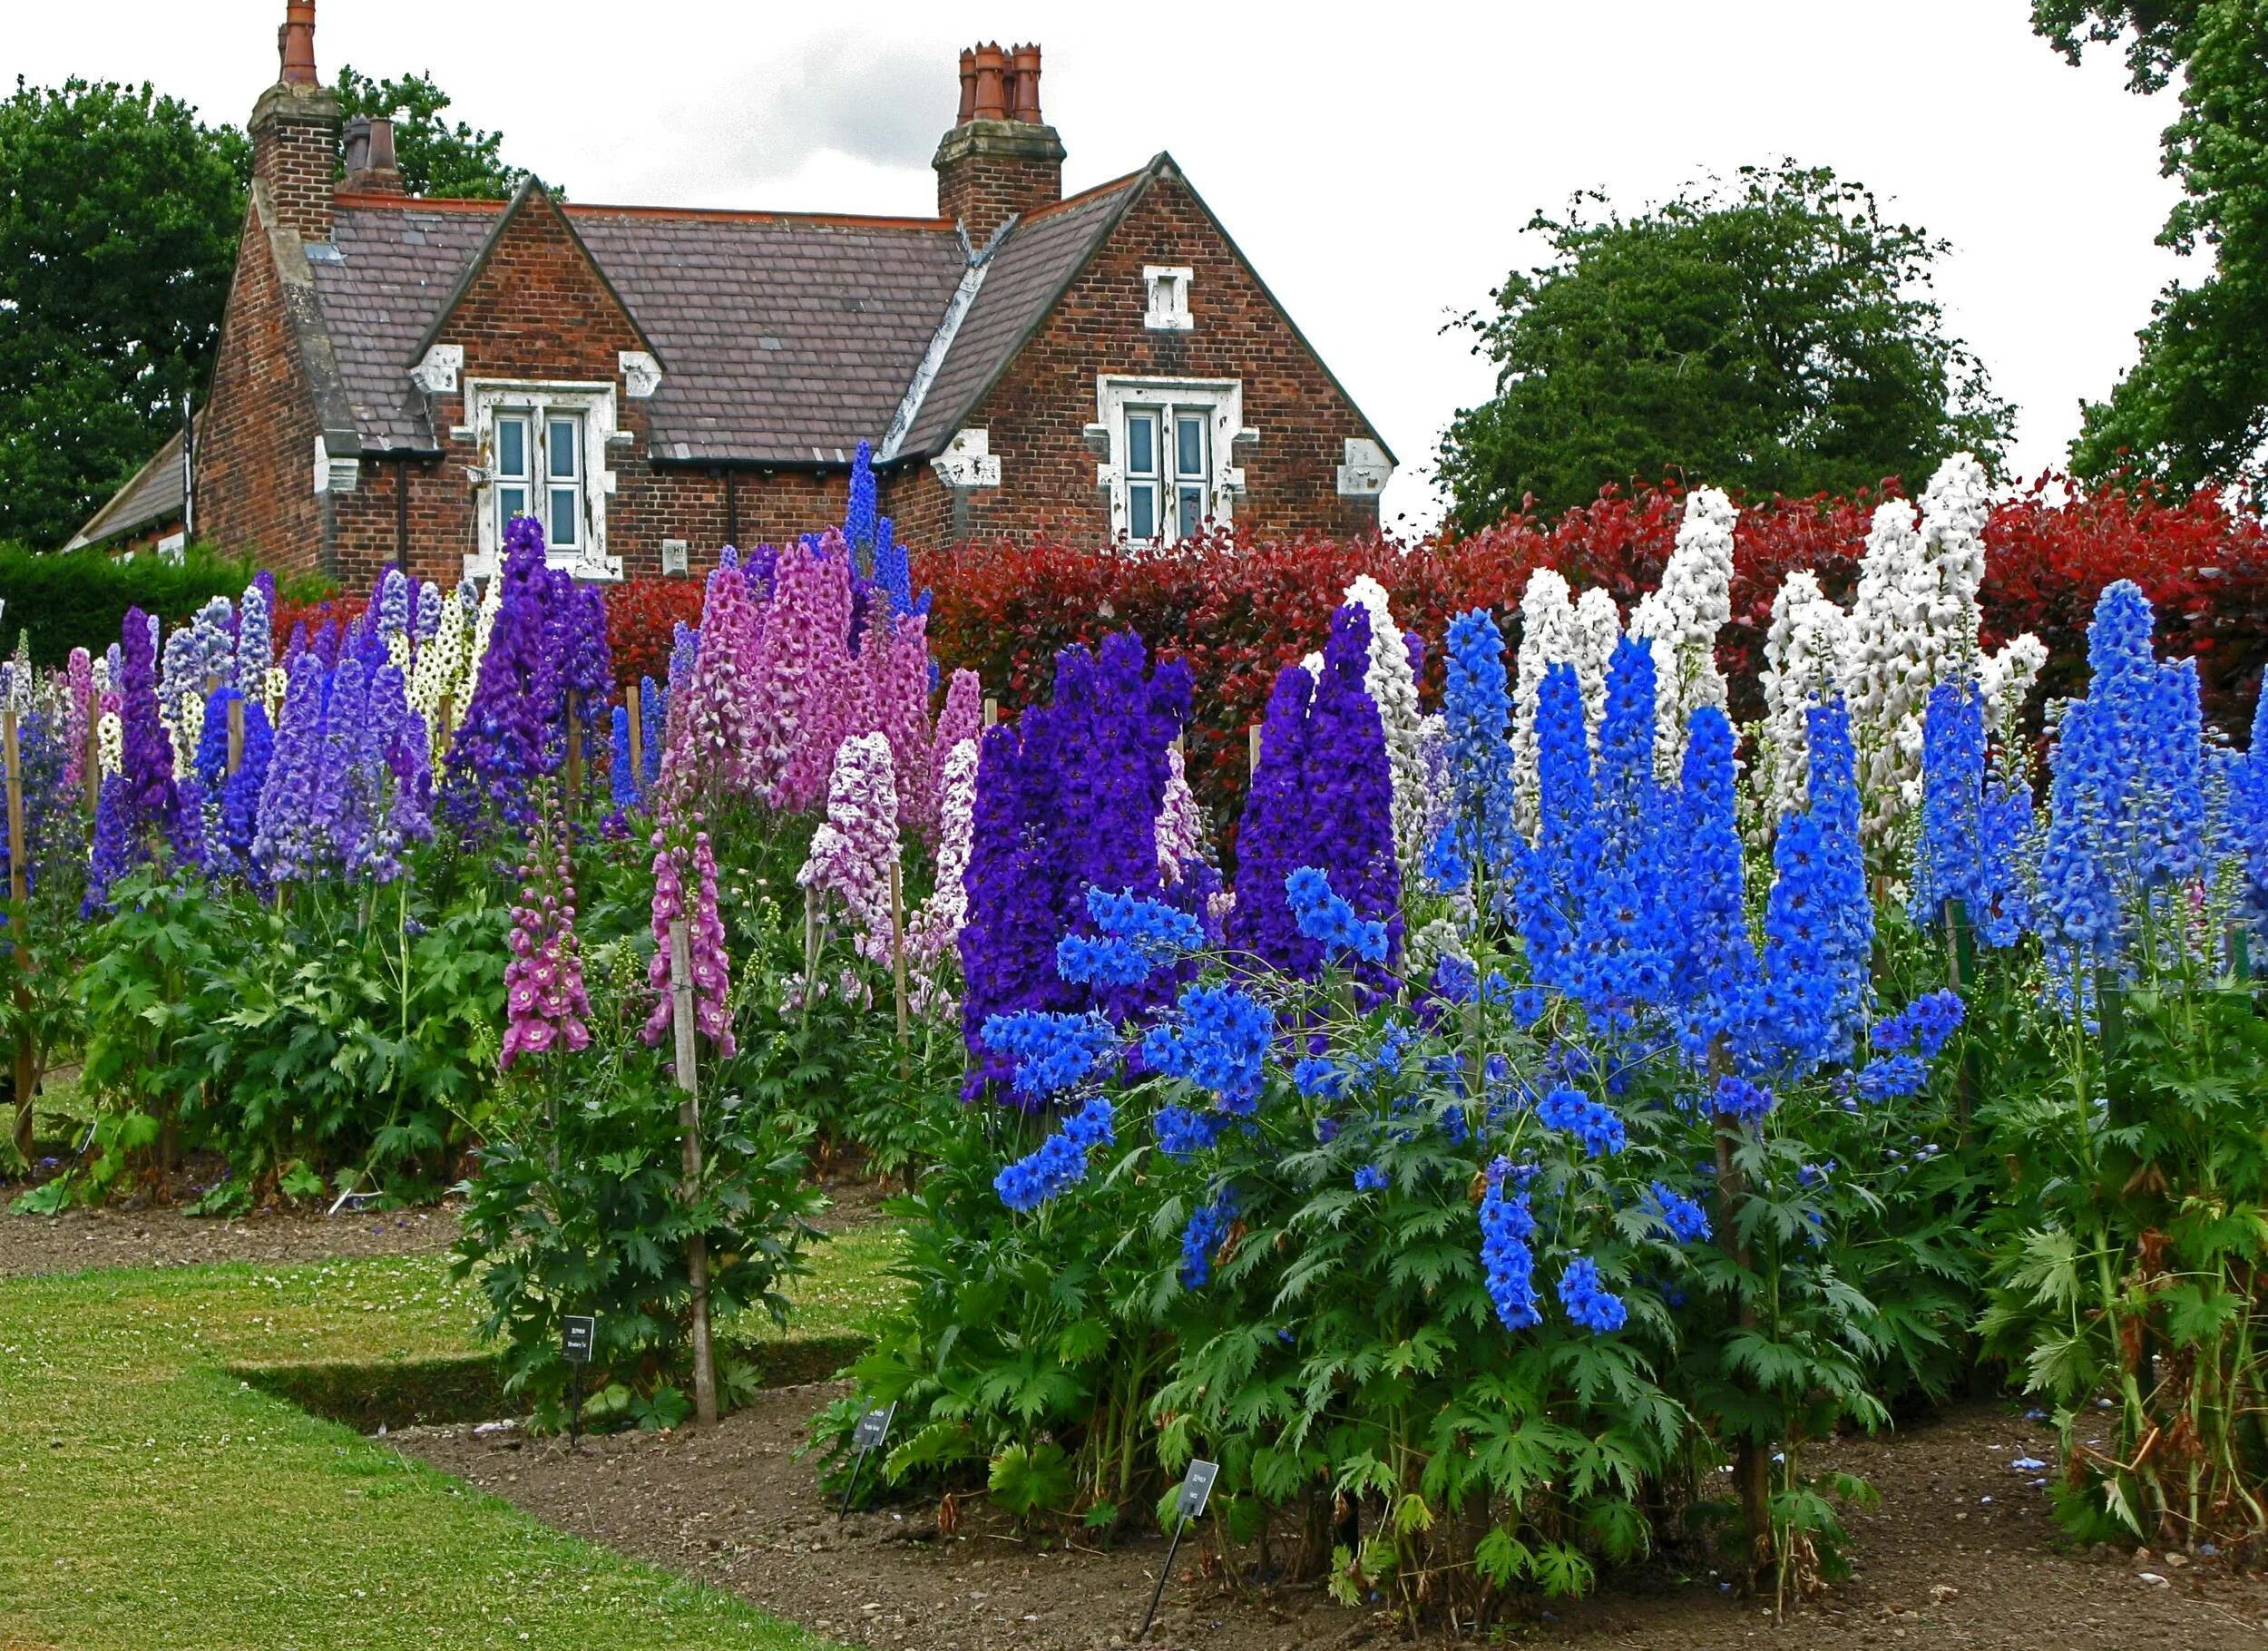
[760, 215]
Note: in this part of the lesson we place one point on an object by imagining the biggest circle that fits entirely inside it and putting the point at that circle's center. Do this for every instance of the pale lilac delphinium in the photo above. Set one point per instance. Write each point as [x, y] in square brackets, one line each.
[852, 854]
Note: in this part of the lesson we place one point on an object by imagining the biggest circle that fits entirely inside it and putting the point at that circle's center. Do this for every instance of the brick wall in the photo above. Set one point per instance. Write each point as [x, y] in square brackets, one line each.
[295, 148]
[1036, 413]
[256, 437]
[987, 169]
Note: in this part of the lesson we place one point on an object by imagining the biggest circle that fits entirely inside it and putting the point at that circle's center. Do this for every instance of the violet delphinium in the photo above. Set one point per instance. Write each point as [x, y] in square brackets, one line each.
[807, 668]
[1272, 838]
[79, 712]
[285, 843]
[896, 663]
[241, 796]
[713, 738]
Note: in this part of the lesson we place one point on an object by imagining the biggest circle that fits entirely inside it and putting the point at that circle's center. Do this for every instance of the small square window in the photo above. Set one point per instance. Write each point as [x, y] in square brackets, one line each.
[1168, 308]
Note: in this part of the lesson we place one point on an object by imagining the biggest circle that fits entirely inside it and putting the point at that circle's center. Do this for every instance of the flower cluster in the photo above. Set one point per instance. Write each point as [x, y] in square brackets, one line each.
[1218, 1041]
[1060, 1163]
[1208, 1227]
[853, 852]
[546, 1005]
[1587, 1299]
[1597, 1126]
[1050, 1052]
[1331, 921]
[1508, 1265]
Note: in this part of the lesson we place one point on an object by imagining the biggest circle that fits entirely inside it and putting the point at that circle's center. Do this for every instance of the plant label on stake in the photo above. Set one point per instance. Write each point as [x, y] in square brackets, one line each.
[578, 1333]
[873, 1428]
[1197, 1490]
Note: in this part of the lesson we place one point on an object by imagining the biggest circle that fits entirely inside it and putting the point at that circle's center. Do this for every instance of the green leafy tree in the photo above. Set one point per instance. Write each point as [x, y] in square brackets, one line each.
[1775, 334]
[452, 160]
[2193, 409]
[118, 212]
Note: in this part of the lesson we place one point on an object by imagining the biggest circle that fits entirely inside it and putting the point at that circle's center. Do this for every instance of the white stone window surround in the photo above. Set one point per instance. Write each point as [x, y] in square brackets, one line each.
[594, 403]
[1222, 399]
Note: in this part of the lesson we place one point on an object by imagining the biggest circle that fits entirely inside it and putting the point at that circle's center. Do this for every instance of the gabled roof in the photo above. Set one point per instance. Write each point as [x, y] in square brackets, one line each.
[152, 497]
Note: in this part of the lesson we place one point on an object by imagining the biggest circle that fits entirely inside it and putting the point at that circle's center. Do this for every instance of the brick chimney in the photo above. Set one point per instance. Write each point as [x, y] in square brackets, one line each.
[295, 132]
[1001, 156]
[371, 169]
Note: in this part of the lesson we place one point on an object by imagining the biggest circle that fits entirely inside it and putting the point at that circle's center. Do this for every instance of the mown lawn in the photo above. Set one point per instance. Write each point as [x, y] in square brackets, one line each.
[147, 1500]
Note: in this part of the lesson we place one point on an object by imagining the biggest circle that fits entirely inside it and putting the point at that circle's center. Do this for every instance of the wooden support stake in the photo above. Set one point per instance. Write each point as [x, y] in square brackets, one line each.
[810, 943]
[94, 754]
[19, 894]
[633, 706]
[897, 964]
[1252, 740]
[236, 734]
[690, 1124]
[991, 711]
[574, 761]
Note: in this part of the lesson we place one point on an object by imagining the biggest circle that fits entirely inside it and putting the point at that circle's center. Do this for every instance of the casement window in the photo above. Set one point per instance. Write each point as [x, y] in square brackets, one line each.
[1168, 445]
[544, 452]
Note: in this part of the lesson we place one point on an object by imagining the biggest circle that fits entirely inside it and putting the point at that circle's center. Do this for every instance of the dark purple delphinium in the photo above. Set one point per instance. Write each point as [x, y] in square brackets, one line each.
[1273, 836]
[147, 814]
[337, 808]
[241, 795]
[1321, 796]
[503, 744]
[1067, 800]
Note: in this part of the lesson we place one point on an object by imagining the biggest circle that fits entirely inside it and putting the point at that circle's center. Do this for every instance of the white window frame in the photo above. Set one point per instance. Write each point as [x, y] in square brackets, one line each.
[593, 405]
[1220, 401]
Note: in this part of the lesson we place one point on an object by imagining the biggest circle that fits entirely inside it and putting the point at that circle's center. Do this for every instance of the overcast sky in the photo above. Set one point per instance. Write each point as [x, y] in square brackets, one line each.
[1375, 162]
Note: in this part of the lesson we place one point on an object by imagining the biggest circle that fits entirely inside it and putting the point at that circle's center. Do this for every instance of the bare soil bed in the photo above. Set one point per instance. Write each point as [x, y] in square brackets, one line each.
[161, 1236]
[1961, 1553]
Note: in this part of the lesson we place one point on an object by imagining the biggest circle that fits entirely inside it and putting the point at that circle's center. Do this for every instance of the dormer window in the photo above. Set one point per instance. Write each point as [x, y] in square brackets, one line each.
[1168, 309]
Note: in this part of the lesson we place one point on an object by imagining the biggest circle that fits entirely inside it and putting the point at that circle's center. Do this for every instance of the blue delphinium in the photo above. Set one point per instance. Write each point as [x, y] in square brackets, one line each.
[1922, 1025]
[622, 775]
[1477, 707]
[1892, 1077]
[1551, 873]
[1507, 1263]
[1370, 1177]
[1138, 937]
[1598, 1127]
[1218, 1041]
[1714, 961]
[1051, 1051]
[1587, 1299]
[1687, 1220]
[1209, 1225]
[1455, 979]
[1319, 1078]
[1059, 1162]
[1819, 923]
[1740, 1100]
[1323, 917]
[653, 717]
[1181, 1132]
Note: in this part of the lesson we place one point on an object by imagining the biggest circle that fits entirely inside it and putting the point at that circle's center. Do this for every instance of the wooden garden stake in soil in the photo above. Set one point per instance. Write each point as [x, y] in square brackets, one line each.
[19, 894]
[690, 1121]
[1252, 740]
[236, 734]
[897, 964]
[1752, 1461]
[992, 712]
[632, 706]
[449, 717]
[95, 758]
[810, 942]
[575, 759]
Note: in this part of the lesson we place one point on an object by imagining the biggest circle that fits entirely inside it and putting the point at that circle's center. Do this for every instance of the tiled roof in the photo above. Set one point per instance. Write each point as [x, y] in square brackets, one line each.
[1029, 272]
[789, 339]
[392, 270]
[152, 497]
[784, 338]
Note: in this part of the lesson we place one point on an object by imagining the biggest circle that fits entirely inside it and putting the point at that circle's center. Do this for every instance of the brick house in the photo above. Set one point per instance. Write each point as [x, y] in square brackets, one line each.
[397, 376]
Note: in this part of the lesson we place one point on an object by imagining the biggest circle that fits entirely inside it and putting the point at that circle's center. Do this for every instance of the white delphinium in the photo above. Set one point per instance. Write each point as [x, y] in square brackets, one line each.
[491, 604]
[1179, 828]
[1393, 689]
[438, 670]
[1547, 637]
[1888, 679]
[1597, 628]
[1953, 511]
[2005, 679]
[1681, 621]
[1806, 658]
[111, 743]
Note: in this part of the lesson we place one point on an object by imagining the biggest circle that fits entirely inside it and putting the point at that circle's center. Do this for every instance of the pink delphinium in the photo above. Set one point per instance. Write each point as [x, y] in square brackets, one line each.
[807, 660]
[712, 744]
[1180, 829]
[79, 711]
[704, 934]
[896, 661]
[545, 1005]
[933, 934]
[851, 855]
[962, 717]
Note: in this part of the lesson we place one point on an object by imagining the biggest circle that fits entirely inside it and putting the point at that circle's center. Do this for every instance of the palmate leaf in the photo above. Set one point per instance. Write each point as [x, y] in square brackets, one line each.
[1563, 1571]
[1503, 1559]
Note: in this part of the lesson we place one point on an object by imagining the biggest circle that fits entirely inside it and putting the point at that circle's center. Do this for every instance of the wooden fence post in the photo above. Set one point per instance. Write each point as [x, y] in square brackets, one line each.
[19, 893]
[689, 1123]
[633, 705]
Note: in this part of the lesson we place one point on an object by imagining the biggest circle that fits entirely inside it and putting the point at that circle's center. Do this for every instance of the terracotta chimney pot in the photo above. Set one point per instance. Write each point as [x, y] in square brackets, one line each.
[967, 88]
[1025, 105]
[295, 43]
[992, 93]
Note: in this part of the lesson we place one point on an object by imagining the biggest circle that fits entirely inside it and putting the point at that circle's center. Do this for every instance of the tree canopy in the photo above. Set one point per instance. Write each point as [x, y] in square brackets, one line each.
[118, 226]
[1775, 334]
[119, 217]
[2193, 408]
